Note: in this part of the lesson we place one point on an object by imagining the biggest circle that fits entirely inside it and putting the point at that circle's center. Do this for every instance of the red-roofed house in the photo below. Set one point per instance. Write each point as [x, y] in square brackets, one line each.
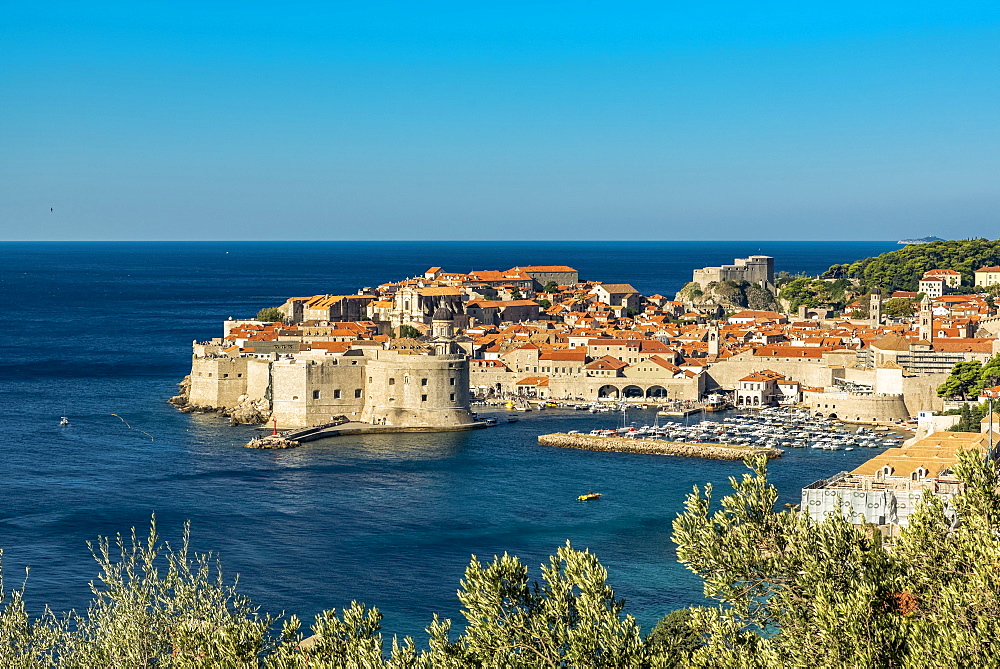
[537, 386]
[759, 389]
[606, 366]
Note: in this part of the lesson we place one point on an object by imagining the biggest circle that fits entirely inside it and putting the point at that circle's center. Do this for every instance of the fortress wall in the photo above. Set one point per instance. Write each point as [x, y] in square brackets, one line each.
[858, 408]
[417, 390]
[889, 381]
[305, 392]
[808, 372]
[921, 392]
[258, 378]
[569, 386]
[217, 382]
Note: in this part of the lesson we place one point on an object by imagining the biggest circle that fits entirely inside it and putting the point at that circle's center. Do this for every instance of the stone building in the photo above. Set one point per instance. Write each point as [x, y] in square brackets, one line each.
[542, 274]
[327, 308]
[416, 304]
[988, 276]
[886, 489]
[617, 295]
[758, 270]
[759, 389]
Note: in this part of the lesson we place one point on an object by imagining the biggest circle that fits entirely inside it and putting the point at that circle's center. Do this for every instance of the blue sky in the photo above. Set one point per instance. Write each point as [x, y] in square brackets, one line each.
[560, 120]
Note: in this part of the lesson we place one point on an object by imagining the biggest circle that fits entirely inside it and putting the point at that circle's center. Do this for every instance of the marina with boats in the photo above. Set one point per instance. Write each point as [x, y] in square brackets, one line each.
[771, 429]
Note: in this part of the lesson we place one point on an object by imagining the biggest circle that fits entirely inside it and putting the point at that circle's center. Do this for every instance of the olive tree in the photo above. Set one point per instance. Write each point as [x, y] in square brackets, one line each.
[794, 592]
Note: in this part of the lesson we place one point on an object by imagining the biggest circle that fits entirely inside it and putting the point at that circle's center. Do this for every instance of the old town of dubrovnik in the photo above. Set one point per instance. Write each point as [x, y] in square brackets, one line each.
[433, 352]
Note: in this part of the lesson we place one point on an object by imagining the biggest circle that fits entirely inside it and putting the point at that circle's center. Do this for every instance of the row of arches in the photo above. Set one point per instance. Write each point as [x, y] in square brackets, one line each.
[631, 392]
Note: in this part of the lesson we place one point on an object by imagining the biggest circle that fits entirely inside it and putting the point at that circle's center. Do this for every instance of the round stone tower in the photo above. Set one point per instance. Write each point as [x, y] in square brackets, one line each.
[417, 390]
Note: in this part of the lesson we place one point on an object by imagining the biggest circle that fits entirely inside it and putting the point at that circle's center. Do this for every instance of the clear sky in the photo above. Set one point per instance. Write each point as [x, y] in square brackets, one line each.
[474, 120]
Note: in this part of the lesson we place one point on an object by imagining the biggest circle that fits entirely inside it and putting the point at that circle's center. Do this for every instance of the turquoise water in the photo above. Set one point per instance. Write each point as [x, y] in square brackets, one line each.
[391, 520]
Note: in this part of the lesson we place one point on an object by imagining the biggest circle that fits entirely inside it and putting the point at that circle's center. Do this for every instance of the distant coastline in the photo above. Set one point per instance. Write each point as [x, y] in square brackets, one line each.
[922, 240]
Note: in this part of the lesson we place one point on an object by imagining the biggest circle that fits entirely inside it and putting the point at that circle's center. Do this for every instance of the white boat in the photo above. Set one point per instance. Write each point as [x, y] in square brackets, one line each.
[64, 421]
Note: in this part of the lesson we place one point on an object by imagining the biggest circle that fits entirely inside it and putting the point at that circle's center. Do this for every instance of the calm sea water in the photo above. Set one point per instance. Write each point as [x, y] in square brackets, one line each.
[95, 329]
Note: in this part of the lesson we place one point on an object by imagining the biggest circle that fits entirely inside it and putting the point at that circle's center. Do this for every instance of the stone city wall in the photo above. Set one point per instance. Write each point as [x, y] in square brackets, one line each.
[858, 408]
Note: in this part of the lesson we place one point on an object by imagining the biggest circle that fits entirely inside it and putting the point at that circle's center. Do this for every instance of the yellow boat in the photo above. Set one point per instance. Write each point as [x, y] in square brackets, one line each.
[589, 496]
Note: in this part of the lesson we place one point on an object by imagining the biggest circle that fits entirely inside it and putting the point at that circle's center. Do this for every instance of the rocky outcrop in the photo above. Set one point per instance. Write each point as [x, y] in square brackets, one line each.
[730, 295]
[654, 447]
[183, 393]
[250, 411]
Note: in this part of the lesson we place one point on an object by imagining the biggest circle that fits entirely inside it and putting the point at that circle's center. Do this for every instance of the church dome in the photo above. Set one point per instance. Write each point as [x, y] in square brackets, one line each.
[442, 314]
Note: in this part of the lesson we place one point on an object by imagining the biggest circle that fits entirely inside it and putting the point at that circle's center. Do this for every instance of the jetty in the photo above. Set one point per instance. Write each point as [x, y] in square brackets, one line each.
[272, 441]
[655, 446]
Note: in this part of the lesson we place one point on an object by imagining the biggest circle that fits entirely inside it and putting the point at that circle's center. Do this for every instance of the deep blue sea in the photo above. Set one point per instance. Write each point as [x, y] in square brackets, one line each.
[94, 329]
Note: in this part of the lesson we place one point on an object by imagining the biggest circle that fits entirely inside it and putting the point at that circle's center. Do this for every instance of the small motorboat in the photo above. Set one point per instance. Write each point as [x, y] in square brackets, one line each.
[64, 421]
[589, 496]
[512, 419]
[490, 421]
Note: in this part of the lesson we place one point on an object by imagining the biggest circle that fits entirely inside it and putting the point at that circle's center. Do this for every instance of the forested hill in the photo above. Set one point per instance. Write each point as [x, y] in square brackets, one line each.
[902, 269]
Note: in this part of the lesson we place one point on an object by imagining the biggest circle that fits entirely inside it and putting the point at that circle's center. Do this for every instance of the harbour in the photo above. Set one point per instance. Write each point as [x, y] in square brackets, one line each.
[396, 516]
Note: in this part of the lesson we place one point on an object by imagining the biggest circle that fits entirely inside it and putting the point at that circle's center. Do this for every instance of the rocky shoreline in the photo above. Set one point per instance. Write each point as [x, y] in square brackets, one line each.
[654, 447]
[247, 412]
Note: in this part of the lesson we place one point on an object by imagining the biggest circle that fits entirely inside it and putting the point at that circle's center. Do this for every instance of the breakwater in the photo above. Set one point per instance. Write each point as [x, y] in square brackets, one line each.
[655, 446]
[272, 442]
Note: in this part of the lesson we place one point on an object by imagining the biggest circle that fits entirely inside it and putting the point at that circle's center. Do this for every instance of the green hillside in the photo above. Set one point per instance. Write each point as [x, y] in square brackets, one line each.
[902, 269]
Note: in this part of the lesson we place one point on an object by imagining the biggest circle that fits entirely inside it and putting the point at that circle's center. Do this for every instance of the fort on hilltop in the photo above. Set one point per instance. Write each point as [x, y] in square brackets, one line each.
[757, 270]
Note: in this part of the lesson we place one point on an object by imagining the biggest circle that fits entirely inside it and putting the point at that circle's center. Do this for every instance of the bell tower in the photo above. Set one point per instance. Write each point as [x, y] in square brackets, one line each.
[713, 339]
[875, 307]
[926, 320]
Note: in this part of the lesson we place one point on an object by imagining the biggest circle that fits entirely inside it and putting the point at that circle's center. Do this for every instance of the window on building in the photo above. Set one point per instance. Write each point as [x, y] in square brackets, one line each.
[423, 382]
[336, 394]
[451, 381]
[406, 379]
[357, 392]
[392, 382]
[452, 397]
[423, 398]
[316, 395]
